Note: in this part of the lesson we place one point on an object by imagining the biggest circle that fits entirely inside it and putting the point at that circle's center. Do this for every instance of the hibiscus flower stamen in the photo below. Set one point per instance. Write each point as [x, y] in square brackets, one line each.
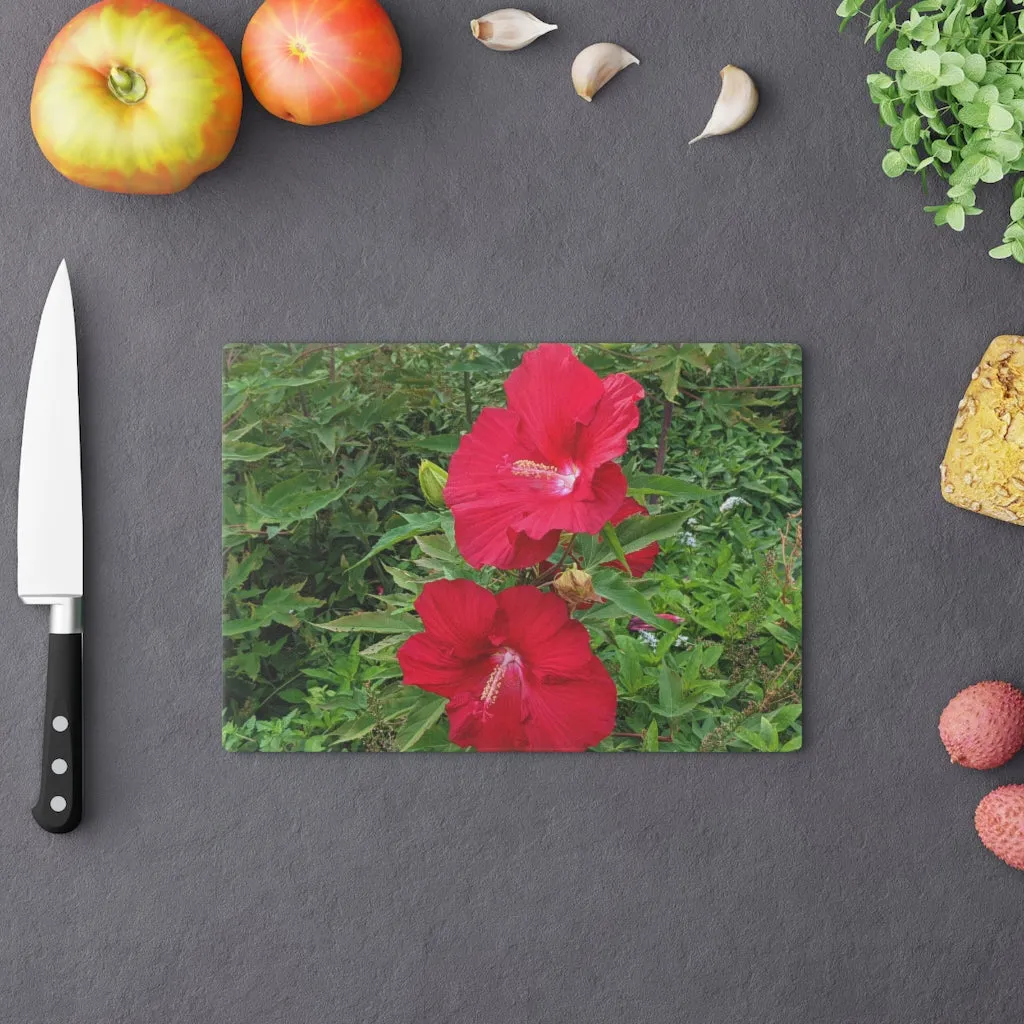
[561, 481]
[506, 660]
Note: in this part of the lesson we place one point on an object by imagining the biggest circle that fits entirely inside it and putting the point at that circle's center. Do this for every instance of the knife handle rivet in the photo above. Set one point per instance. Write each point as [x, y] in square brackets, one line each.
[59, 766]
[58, 803]
[60, 724]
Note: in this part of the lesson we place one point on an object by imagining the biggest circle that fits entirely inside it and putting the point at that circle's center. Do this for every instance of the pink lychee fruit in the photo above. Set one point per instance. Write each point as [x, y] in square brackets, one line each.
[983, 725]
[999, 820]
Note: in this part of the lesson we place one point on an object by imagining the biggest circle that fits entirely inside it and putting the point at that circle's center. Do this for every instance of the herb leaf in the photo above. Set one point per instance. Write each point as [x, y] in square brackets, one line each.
[952, 100]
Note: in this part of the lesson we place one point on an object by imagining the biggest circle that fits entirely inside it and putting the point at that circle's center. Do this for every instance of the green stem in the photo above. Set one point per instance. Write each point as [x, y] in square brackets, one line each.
[468, 399]
[553, 571]
[566, 553]
[640, 736]
[126, 84]
[666, 423]
[613, 542]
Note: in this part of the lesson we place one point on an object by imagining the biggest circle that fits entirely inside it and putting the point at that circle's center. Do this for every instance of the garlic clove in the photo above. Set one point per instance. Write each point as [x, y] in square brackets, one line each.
[509, 29]
[735, 106]
[597, 65]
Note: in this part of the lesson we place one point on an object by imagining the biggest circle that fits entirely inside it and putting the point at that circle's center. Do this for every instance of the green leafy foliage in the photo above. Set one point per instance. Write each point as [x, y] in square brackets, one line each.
[953, 104]
[329, 539]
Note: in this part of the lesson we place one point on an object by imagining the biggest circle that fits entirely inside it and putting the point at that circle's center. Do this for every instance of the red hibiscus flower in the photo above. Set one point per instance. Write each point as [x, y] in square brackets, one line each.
[517, 671]
[545, 464]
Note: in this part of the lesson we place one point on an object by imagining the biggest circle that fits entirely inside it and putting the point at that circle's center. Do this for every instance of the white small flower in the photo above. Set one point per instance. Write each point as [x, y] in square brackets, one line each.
[694, 521]
[650, 639]
[681, 640]
[733, 501]
[689, 539]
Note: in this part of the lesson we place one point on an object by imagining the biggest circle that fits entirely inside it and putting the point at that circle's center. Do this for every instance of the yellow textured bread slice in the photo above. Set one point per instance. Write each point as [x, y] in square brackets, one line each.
[984, 465]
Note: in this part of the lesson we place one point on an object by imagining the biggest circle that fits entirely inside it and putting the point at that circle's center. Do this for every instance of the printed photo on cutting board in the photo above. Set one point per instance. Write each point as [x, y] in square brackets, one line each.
[505, 547]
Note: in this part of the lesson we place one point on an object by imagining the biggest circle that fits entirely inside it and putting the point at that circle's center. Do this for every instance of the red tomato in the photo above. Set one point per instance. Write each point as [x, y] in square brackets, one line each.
[319, 61]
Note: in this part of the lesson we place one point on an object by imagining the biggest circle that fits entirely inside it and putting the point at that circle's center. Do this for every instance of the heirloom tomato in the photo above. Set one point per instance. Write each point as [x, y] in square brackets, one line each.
[135, 96]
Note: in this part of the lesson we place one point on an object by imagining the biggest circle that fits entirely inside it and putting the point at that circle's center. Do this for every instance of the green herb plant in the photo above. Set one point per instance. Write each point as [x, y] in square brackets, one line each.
[954, 101]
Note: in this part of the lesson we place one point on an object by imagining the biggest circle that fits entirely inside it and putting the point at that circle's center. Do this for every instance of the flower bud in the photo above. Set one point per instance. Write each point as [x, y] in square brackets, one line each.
[575, 588]
[432, 481]
[637, 625]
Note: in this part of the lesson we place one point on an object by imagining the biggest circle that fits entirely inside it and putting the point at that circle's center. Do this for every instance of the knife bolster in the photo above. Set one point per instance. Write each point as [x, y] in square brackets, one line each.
[66, 615]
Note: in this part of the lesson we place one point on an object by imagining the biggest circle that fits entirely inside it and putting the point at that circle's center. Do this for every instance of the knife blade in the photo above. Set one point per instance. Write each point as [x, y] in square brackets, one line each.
[50, 547]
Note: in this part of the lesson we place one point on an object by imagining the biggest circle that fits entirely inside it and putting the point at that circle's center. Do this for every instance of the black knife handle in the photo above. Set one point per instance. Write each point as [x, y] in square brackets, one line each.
[59, 807]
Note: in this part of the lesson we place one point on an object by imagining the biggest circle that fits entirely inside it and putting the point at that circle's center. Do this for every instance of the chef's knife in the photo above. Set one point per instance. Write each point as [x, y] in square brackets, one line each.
[50, 548]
